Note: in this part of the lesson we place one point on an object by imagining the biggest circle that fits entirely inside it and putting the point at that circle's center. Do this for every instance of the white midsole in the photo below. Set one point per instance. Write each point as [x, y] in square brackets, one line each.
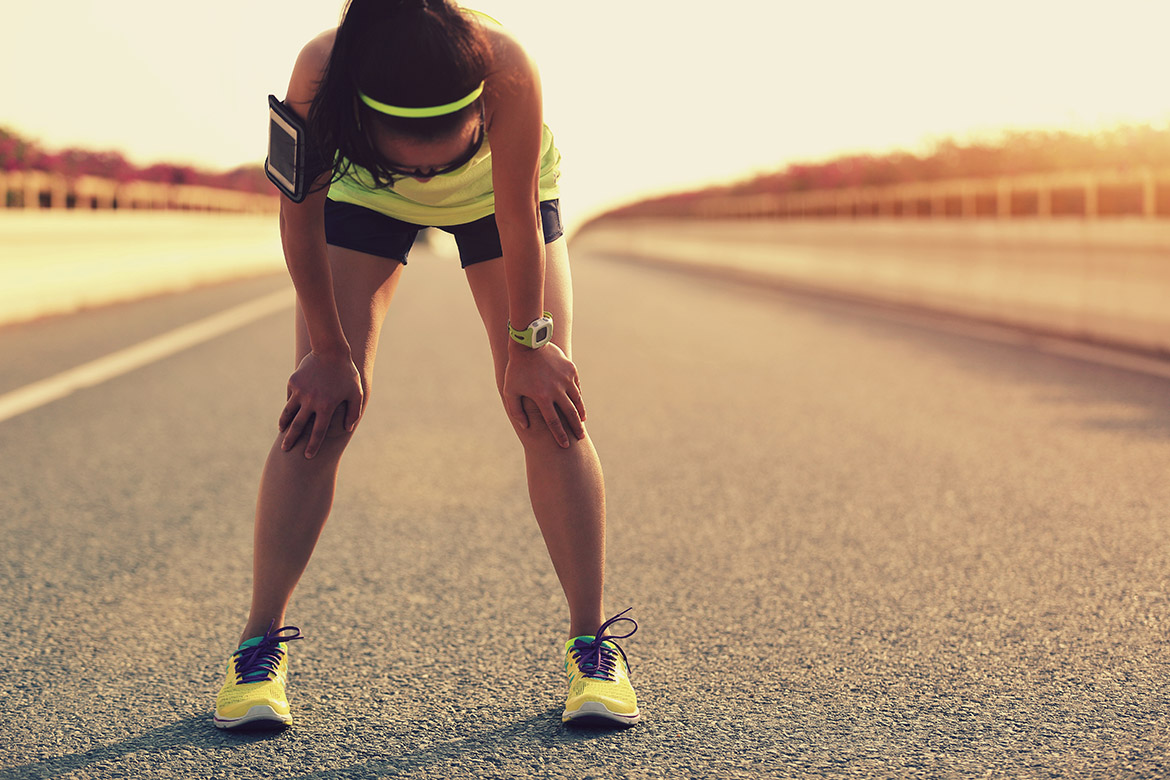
[595, 709]
[259, 712]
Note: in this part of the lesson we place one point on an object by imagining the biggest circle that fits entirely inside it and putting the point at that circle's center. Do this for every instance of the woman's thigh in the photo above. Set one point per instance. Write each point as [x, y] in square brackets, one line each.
[363, 286]
[490, 290]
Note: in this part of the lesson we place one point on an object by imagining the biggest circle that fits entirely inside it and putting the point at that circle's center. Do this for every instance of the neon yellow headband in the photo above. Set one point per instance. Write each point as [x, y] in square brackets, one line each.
[417, 113]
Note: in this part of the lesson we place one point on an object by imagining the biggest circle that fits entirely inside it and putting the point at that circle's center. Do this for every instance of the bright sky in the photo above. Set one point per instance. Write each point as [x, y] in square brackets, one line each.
[643, 96]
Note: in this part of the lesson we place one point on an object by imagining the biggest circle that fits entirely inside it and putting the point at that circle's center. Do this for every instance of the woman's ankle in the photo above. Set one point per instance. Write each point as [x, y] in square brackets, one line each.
[255, 628]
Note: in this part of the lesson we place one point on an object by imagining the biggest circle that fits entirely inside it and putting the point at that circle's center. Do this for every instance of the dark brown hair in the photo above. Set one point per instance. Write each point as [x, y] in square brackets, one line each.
[410, 53]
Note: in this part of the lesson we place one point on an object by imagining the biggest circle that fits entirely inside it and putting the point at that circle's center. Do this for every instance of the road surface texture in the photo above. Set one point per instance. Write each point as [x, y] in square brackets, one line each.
[857, 546]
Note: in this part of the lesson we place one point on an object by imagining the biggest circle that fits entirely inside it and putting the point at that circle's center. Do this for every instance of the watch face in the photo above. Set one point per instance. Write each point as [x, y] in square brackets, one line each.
[541, 334]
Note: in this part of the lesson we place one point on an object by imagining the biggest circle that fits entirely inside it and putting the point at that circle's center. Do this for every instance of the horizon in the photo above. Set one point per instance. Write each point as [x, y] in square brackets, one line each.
[925, 149]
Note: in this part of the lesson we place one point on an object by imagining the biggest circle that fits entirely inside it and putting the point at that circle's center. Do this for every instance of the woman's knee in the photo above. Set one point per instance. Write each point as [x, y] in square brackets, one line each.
[337, 424]
[337, 437]
[538, 432]
[337, 429]
[333, 443]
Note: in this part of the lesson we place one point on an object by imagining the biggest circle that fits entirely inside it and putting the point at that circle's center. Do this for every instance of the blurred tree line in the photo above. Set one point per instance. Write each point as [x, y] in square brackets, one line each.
[22, 154]
[1013, 153]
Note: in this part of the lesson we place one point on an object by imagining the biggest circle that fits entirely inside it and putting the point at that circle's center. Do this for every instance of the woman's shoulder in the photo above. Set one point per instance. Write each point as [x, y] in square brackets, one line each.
[309, 70]
[508, 52]
[321, 45]
[514, 75]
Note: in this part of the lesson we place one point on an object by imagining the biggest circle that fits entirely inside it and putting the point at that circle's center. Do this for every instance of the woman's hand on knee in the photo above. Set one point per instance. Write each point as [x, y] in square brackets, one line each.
[548, 379]
[316, 389]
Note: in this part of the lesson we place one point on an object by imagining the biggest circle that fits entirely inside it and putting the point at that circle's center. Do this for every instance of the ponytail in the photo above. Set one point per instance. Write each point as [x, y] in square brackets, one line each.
[409, 53]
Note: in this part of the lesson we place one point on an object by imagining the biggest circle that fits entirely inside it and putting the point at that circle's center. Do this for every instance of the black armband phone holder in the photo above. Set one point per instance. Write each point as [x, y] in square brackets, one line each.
[287, 151]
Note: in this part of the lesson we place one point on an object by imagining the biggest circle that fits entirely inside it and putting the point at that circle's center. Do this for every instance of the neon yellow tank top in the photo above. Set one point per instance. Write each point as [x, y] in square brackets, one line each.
[455, 198]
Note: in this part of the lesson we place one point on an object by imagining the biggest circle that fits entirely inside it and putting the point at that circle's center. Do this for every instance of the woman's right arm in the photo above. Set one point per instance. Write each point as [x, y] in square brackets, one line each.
[326, 377]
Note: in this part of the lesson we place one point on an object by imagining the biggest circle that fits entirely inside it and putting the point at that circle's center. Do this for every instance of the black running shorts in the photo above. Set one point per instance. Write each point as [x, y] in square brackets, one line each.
[364, 230]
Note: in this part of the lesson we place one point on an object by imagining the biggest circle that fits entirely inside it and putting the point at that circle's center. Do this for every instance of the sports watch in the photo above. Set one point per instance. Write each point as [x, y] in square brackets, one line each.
[536, 335]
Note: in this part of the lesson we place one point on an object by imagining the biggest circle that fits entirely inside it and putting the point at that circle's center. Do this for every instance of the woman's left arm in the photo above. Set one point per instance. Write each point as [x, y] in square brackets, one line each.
[516, 123]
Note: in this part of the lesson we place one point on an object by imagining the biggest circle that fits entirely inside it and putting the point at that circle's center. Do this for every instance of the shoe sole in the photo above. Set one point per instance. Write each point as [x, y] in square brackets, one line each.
[593, 713]
[259, 715]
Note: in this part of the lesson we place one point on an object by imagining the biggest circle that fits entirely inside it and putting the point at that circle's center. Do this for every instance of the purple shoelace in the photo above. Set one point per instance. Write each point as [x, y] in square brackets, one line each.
[258, 663]
[598, 660]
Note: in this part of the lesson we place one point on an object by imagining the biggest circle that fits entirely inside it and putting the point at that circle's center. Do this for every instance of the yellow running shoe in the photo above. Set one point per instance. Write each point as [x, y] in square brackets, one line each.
[599, 679]
[256, 675]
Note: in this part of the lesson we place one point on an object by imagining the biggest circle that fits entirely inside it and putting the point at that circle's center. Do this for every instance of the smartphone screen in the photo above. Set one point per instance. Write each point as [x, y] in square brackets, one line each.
[282, 152]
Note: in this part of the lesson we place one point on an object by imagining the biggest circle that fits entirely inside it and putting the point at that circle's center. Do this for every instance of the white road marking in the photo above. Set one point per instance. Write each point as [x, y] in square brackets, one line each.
[123, 361]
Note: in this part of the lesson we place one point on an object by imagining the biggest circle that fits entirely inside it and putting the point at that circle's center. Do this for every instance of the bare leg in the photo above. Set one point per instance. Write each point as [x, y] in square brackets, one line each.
[568, 498]
[566, 485]
[296, 494]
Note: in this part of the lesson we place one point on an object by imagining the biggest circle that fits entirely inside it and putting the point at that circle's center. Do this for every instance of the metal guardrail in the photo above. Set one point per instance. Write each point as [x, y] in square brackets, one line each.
[37, 189]
[1141, 192]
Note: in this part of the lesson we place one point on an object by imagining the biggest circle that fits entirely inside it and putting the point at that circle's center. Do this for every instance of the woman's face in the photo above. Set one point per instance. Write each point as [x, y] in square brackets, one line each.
[423, 159]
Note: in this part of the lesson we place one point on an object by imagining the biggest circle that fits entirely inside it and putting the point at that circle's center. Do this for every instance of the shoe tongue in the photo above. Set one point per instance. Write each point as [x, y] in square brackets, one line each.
[588, 638]
[251, 642]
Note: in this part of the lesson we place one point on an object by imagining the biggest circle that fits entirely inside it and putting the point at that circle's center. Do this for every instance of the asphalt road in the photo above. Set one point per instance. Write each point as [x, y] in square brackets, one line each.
[857, 545]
